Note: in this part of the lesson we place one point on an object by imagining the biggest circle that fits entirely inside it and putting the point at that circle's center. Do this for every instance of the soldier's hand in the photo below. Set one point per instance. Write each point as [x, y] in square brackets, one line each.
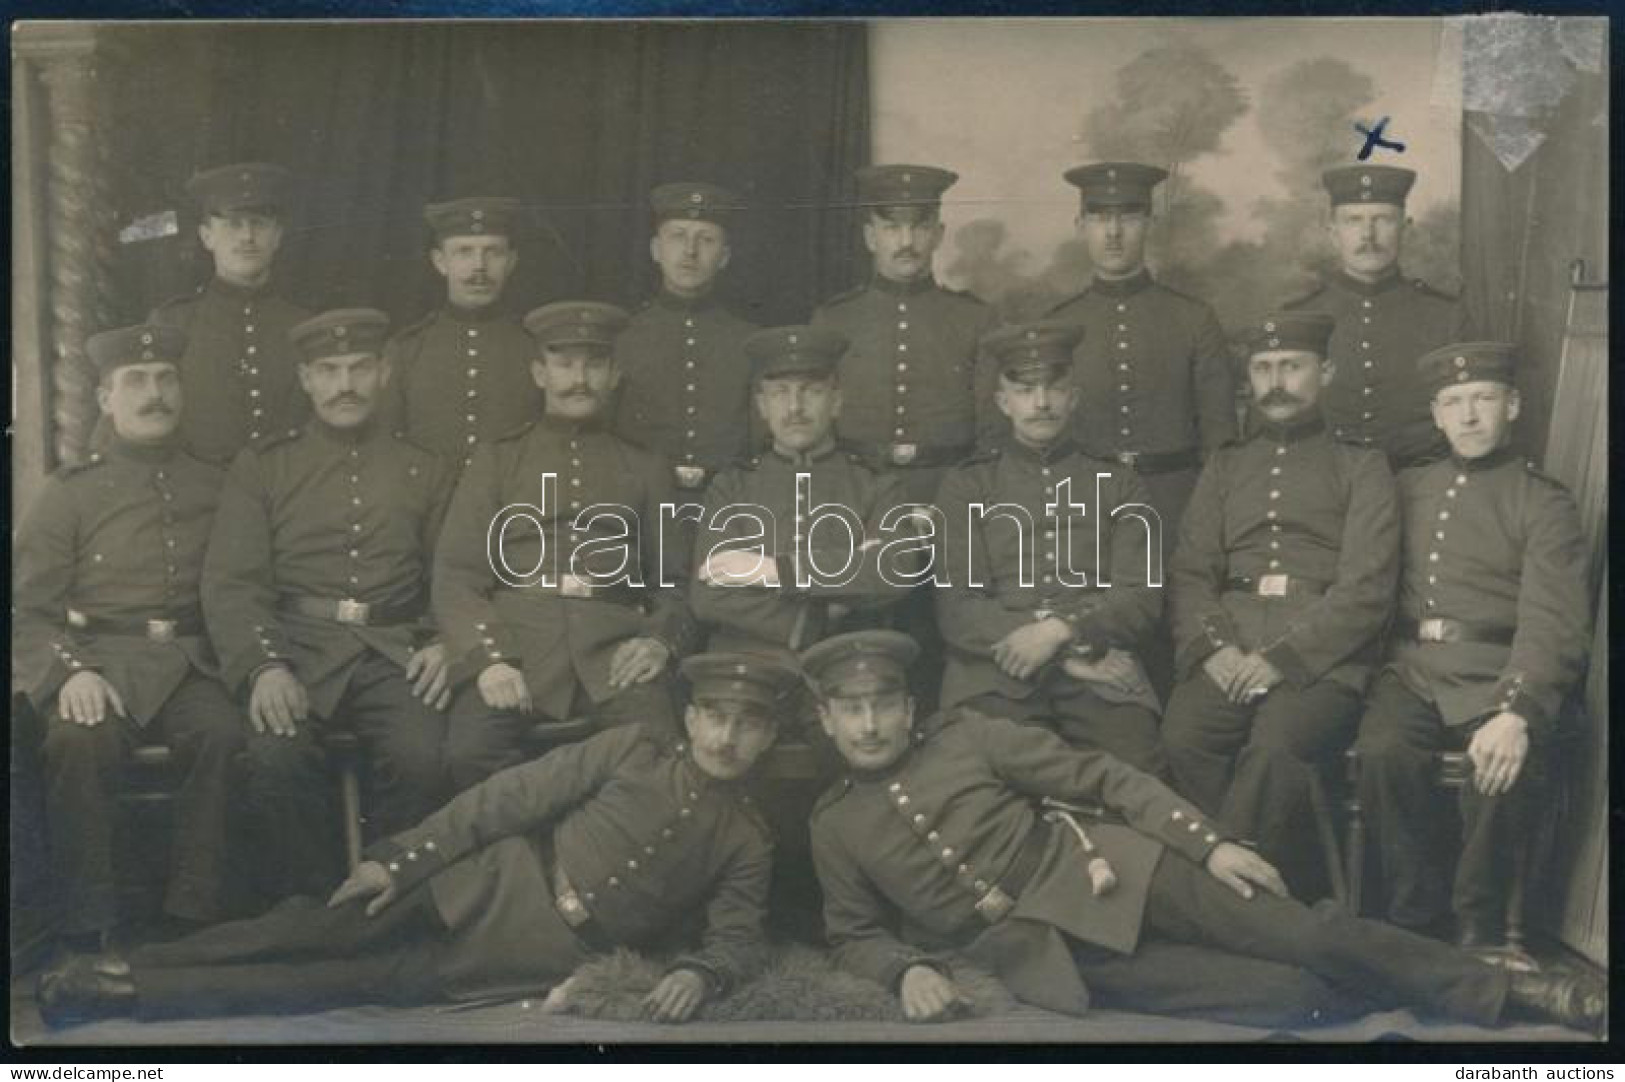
[1117, 670]
[1498, 751]
[1222, 667]
[739, 567]
[1255, 676]
[278, 703]
[1030, 647]
[503, 687]
[928, 996]
[85, 697]
[427, 672]
[637, 661]
[369, 880]
[676, 998]
[1241, 870]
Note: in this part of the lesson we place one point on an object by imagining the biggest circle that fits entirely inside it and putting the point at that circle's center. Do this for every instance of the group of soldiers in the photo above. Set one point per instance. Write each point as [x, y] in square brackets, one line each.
[286, 533]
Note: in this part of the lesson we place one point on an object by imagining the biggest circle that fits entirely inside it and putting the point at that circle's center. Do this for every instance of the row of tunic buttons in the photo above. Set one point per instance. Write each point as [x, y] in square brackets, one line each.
[1367, 364]
[901, 383]
[1272, 514]
[166, 518]
[354, 577]
[947, 854]
[1123, 372]
[666, 834]
[1049, 563]
[471, 418]
[1194, 826]
[249, 366]
[690, 409]
[411, 855]
[1438, 537]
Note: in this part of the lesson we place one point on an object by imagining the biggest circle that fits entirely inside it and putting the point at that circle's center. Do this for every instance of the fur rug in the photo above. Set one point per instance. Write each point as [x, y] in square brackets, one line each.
[798, 984]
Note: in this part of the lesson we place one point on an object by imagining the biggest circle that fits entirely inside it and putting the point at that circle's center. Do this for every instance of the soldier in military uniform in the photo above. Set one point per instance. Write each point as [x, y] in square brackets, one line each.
[749, 589]
[1384, 320]
[1492, 632]
[461, 374]
[313, 588]
[238, 369]
[1156, 392]
[1280, 586]
[589, 610]
[1033, 631]
[685, 394]
[933, 843]
[108, 639]
[918, 398]
[615, 841]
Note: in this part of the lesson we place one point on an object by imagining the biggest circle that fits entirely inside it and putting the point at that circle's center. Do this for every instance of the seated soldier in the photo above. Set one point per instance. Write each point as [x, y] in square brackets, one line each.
[608, 842]
[933, 842]
[1492, 632]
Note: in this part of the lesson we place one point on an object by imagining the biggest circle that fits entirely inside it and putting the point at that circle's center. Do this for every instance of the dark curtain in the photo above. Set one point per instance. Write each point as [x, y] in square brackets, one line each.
[578, 119]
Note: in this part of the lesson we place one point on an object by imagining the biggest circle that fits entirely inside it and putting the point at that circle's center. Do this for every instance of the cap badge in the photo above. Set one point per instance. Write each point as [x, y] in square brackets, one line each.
[1365, 180]
[340, 331]
[146, 338]
[1274, 342]
[794, 340]
[1269, 326]
[1461, 362]
[695, 197]
[1111, 174]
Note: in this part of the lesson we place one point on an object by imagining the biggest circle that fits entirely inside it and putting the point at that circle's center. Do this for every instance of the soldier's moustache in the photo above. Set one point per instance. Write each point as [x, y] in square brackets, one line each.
[1279, 398]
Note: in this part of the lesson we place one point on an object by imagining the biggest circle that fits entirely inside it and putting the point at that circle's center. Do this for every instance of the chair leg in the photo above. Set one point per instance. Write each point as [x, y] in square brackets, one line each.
[1320, 807]
[350, 801]
[1355, 878]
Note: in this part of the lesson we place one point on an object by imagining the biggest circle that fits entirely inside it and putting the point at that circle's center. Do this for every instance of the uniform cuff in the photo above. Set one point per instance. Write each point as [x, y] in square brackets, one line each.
[898, 968]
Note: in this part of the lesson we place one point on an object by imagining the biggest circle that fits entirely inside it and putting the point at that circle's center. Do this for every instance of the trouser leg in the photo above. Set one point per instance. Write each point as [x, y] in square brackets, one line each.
[1277, 797]
[1493, 828]
[481, 741]
[1183, 980]
[1126, 730]
[290, 816]
[1201, 733]
[403, 742]
[83, 766]
[207, 733]
[1388, 965]
[1400, 737]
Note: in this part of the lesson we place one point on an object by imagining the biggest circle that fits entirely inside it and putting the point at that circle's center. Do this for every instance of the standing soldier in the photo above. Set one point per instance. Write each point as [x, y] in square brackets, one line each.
[314, 592]
[108, 643]
[1153, 371]
[238, 369]
[589, 611]
[917, 401]
[687, 388]
[1281, 583]
[1492, 632]
[746, 590]
[936, 841]
[1384, 321]
[461, 375]
[1049, 597]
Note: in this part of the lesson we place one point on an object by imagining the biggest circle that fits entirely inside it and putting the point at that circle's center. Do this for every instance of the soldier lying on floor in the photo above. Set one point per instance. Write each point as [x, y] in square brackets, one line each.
[508, 888]
[937, 831]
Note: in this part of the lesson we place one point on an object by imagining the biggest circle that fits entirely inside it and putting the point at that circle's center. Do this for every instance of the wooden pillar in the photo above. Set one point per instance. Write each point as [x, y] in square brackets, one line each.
[72, 229]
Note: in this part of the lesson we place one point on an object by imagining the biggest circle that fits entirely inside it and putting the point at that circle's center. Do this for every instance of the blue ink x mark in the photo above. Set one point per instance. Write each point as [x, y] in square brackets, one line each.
[1374, 139]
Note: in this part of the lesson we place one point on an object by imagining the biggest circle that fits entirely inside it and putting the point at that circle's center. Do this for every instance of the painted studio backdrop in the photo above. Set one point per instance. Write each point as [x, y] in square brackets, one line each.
[1243, 113]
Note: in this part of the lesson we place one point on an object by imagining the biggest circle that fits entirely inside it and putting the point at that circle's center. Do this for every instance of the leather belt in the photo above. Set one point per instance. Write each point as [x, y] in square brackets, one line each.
[690, 478]
[567, 900]
[155, 630]
[1158, 462]
[347, 610]
[575, 586]
[1001, 898]
[1277, 585]
[913, 455]
[1443, 629]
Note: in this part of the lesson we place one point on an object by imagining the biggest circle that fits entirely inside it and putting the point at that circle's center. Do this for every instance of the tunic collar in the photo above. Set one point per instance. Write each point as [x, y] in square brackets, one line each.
[222, 288]
[670, 301]
[1389, 281]
[570, 426]
[151, 454]
[497, 309]
[358, 436]
[1498, 457]
[925, 283]
[817, 454]
[1123, 287]
[1050, 452]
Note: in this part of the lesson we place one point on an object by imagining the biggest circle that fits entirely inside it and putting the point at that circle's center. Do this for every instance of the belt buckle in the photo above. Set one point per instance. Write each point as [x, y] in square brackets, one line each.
[1430, 630]
[995, 905]
[1131, 459]
[690, 476]
[351, 611]
[1272, 585]
[161, 630]
[571, 586]
[904, 453]
[570, 908]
